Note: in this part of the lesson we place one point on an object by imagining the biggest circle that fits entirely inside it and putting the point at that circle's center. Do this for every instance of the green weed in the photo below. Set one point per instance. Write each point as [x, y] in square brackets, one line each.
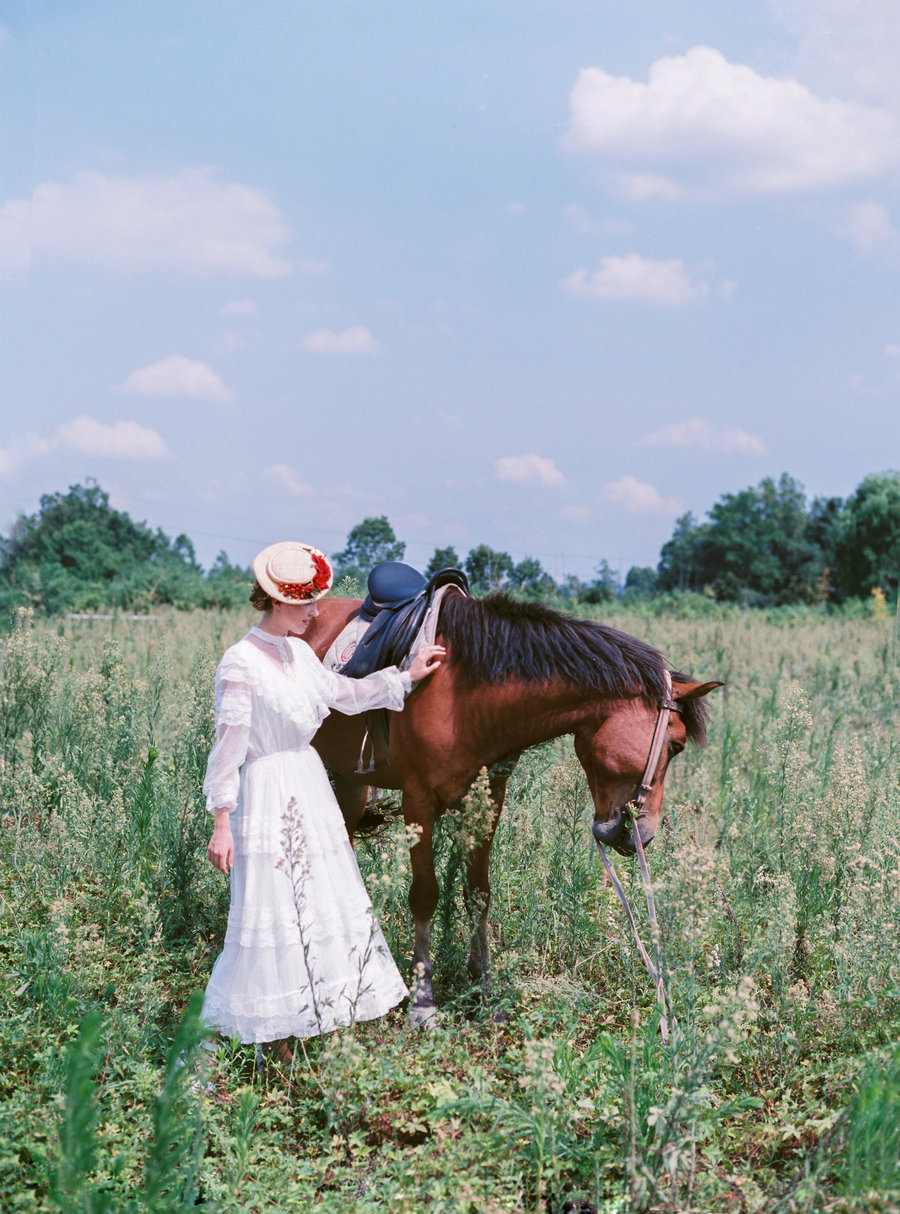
[777, 879]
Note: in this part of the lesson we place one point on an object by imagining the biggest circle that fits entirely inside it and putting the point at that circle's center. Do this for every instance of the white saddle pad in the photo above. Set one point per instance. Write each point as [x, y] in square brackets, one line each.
[343, 647]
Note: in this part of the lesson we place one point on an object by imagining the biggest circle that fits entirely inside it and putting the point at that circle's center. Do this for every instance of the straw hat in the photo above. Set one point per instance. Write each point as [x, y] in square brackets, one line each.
[293, 573]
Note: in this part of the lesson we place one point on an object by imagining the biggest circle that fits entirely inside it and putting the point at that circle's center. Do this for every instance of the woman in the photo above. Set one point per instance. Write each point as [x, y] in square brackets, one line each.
[303, 953]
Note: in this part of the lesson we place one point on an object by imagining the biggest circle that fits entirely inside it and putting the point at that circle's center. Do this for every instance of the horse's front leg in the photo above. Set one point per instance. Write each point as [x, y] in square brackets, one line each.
[419, 809]
[478, 889]
[352, 798]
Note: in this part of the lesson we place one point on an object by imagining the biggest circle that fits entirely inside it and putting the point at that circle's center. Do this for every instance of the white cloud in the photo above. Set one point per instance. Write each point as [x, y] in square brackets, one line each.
[241, 307]
[116, 440]
[633, 277]
[845, 45]
[314, 268]
[534, 469]
[702, 434]
[576, 514]
[190, 224]
[355, 340]
[181, 378]
[580, 221]
[230, 341]
[637, 497]
[704, 127]
[15, 237]
[448, 420]
[288, 479]
[868, 226]
[24, 451]
[120, 440]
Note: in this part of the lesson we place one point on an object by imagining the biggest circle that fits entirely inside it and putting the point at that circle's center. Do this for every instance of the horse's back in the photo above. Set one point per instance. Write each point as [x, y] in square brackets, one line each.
[334, 615]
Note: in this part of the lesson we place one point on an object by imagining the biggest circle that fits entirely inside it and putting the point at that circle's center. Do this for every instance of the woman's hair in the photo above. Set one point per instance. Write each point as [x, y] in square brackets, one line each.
[260, 599]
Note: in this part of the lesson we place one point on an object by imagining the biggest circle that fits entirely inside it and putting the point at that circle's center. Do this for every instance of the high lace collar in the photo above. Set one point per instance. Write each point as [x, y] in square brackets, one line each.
[271, 638]
[281, 644]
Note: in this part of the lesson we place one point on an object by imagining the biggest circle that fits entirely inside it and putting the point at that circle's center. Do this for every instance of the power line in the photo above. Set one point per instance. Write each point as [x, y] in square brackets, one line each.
[558, 563]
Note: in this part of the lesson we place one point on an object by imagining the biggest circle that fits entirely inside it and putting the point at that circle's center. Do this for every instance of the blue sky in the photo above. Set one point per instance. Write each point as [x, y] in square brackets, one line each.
[537, 275]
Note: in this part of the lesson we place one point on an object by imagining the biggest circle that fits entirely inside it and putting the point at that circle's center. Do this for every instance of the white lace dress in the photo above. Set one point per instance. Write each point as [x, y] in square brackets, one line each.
[303, 952]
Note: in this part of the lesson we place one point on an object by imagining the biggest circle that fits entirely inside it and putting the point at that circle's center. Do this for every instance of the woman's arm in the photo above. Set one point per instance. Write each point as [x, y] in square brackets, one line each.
[223, 769]
[221, 846]
[382, 689]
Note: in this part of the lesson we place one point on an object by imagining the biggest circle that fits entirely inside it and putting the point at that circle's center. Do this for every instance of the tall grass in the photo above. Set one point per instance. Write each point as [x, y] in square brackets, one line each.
[777, 878]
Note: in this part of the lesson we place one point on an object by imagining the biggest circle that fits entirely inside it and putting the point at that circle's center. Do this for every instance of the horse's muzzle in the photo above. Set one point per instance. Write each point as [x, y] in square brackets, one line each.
[616, 832]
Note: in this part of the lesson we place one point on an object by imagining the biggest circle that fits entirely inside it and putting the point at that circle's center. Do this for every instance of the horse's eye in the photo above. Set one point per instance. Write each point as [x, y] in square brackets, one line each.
[675, 748]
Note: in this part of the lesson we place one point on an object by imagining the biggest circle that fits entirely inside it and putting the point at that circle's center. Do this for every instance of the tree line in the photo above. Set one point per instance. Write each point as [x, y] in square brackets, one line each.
[768, 546]
[762, 546]
[373, 540]
[78, 554]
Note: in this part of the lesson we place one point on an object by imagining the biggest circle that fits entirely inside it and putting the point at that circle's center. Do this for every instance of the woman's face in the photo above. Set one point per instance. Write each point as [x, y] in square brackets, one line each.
[294, 617]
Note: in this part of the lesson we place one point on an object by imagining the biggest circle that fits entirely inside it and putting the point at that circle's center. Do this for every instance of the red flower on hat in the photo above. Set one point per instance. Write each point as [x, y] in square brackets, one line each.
[322, 578]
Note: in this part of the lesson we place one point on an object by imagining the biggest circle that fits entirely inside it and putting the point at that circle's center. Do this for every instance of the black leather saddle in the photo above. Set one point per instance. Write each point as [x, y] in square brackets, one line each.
[398, 600]
[391, 585]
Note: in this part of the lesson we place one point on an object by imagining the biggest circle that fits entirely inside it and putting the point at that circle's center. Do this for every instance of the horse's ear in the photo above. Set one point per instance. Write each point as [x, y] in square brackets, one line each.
[693, 691]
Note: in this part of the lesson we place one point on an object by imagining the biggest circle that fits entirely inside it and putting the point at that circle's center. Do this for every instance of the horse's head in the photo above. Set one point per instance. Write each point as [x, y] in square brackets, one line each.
[617, 749]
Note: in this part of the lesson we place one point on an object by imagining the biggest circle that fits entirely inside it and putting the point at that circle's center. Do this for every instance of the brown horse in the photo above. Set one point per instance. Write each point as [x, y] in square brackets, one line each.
[516, 674]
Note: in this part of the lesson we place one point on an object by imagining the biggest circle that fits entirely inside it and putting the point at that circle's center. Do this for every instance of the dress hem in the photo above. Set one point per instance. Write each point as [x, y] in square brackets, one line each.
[259, 1032]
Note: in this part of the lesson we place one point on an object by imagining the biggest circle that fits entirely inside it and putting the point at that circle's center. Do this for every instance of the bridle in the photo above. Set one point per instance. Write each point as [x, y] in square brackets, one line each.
[666, 706]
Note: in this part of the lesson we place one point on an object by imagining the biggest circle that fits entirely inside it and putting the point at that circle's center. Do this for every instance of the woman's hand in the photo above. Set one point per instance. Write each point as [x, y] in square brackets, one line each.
[426, 662]
[221, 846]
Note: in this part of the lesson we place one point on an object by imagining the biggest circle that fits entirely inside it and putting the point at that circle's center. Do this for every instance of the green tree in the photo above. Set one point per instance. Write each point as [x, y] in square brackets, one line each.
[759, 547]
[604, 588]
[570, 588]
[488, 569]
[868, 542]
[80, 532]
[532, 580]
[368, 544]
[682, 559]
[443, 558]
[227, 585]
[183, 548]
[640, 582]
[70, 553]
[77, 553]
[823, 528]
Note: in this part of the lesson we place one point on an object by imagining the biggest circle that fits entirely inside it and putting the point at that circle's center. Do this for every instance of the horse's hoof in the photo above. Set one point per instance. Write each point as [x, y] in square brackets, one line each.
[422, 1014]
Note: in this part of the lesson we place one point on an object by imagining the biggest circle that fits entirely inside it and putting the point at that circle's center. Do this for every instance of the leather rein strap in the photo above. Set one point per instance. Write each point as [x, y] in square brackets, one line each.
[667, 705]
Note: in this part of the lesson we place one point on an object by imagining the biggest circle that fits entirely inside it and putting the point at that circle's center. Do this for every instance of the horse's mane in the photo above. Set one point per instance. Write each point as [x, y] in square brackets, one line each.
[498, 638]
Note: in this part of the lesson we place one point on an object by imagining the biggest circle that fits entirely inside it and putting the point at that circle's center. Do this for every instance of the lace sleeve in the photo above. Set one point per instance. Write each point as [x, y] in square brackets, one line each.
[233, 712]
[383, 689]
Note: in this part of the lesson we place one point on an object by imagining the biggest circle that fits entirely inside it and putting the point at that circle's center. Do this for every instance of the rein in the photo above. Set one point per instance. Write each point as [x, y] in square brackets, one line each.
[634, 807]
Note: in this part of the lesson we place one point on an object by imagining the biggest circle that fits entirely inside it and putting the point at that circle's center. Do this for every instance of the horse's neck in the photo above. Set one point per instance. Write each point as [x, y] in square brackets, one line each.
[514, 715]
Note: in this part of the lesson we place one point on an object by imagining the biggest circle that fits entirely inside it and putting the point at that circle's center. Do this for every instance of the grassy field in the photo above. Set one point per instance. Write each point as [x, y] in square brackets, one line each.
[778, 887]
